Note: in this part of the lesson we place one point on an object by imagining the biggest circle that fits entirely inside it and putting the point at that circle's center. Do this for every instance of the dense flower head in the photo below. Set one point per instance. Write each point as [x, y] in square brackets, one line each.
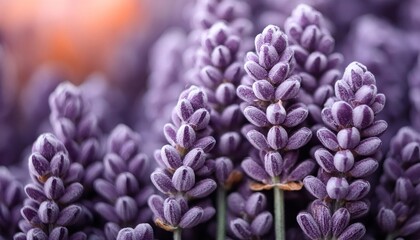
[350, 144]
[183, 165]
[398, 190]
[52, 205]
[269, 107]
[249, 217]
[316, 63]
[77, 128]
[123, 188]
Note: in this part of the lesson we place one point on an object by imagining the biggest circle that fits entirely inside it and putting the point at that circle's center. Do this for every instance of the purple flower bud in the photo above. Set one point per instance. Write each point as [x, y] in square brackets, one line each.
[48, 212]
[54, 188]
[277, 137]
[325, 160]
[126, 208]
[273, 163]
[183, 179]
[276, 114]
[288, 89]
[363, 116]
[358, 190]
[355, 231]
[299, 139]
[342, 113]
[308, 225]
[364, 168]
[348, 138]
[296, 116]
[256, 116]
[261, 225]
[340, 220]
[255, 171]
[255, 204]
[343, 160]
[368, 146]
[337, 188]
[73, 193]
[68, 215]
[202, 188]
[263, 90]
[328, 139]
[386, 219]
[258, 140]
[191, 218]
[186, 136]
[241, 228]
[315, 186]
[162, 182]
[172, 211]
[59, 233]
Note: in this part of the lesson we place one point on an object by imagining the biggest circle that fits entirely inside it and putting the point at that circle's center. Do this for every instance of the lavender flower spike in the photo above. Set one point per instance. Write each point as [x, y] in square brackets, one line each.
[349, 155]
[184, 167]
[123, 186]
[220, 72]
[399, 215]
[275, 119]
[316, 63]
[52, 208]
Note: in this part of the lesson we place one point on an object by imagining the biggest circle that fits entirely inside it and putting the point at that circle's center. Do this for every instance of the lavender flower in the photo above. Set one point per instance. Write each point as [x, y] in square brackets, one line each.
[140, 232]
[347, 158]
[77, 128]
[11, 198]
[184, 168]
[250, 220]
[275, 119]
[123, 188]
[316, 63]
[52, 207]
[219, 72]
[398, 193]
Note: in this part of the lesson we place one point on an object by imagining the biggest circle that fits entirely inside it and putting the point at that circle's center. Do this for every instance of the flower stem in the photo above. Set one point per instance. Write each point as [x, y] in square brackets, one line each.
[221, 213]
[177, 234]
[279, 213]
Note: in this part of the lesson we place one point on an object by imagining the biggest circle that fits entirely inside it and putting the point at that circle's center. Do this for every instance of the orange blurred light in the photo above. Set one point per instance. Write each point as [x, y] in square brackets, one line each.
[77, 35]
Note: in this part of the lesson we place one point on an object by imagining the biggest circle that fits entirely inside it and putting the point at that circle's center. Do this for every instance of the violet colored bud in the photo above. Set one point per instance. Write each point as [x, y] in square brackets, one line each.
[256, 116]
[255, 204]
[277, 137]
[358, 190]
[368, 146]
[172, 211]
[273, 163]
[315, 186]
[354, 231]
[261, 225]
[363, 116]
[241, 229]
[325, 160]
[296, 116]
[192, 217]
[68, 215]
[54, 188]
[255, 171]
[348, 138]
[195, 158]
[288, 89]
[258, 140]
[183, 179]
[276, 114]
[337, 188]
[162, 182]
[328, 139]
[263, 90]
[202, 188]
[342, 113]
[48, 212]
[343, 160]
[386, 219]
[224, 167]
[340, 220]
[299, 139]
[186, 136]
[309, 226]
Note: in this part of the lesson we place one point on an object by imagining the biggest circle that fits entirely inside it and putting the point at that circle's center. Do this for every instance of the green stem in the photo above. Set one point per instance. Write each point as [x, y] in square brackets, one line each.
[279, 212]
[177, 234]
[221, 213]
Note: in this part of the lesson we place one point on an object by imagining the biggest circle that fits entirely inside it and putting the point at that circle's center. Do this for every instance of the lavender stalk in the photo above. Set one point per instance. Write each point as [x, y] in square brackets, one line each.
[275, 132]
[351, 143]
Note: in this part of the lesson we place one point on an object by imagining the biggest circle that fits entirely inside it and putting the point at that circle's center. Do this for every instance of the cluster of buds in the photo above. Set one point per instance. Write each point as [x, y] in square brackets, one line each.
[398, 192]
[349, 155]
[52, 206]
[184, 168]
[123, 187]
[316, 63]
[269, 106]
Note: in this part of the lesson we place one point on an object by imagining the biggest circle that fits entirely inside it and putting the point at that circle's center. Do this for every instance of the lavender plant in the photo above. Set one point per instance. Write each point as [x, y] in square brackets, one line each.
[316, 63]
[220, 72]
[123, 186]
[350, 141]
[52, 207]
[184, 168]
[275, 118]
[398, 215]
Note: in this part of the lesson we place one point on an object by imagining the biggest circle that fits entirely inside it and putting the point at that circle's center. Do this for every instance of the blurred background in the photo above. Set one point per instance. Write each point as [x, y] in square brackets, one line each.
[109, 48]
